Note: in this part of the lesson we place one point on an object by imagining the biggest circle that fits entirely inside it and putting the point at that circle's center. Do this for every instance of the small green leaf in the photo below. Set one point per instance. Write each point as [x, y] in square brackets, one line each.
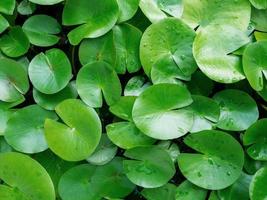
[166, 192]
[79, 136]
[189, 191]
[97, 78]
[127, 9]
[50, 72]
[257, 186]
[46, 2]
[7, 6]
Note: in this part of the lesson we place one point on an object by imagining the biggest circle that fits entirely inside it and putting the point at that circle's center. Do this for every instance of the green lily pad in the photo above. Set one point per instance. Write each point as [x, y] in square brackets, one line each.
[15, 43]
[189, 191]
[167, 46]
[4, 24]
[209, 12]
[25, 178]
[127, 51]
[166, 192]
[97, 78]
[151, 166]
[255, 65]
[238, 110]
[79, 136]
[123, 107]
[158, 112]
[7, 6]
[259, 4]
[206, 113]
[135, 86]
[25, 7]
[239, 190]
[126, 136]
[25, 129]
[50, 101]
[127, 9]
[104, 152]
[212, 50]
[41, 30]
[257, 186]
[50, 72]
[219, 162]
[94, 182]
[13, 85]
[46, 2]
[256, 139]
[94, 17]
[156, 10]
[98, 49]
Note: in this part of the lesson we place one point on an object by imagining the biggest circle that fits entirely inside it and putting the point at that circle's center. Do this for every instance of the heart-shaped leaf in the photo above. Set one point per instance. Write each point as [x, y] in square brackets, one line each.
[219, 162]
[167, 46]
[238, 110]
[41, 30]
[211, 50]
[97, 78]
[160, 104]
[50, 72]
[78, 138]
[13, 85]
[151, 166]
[94, 17]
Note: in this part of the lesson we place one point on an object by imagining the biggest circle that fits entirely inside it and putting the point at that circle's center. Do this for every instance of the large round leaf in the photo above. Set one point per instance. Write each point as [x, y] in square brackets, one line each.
[219, 162]
[189, 191]
[151, 166]
[258, 184]
[156, 10]
[238, 110]
[94, 182]
[41, 30]
[94, 17]
[97, 78]
[127, 51]
[259, 4]
[255, 64]
[46, 2]
[127, 9]
[206, 12]
[25, 177]
[125, 135]
[15, 43]
[25, 129]
[158, 112]
[211, 50]
[256, 138]
[12, 85]
[50, 72]
[79, 136]
[50, 101]
[167, 46]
